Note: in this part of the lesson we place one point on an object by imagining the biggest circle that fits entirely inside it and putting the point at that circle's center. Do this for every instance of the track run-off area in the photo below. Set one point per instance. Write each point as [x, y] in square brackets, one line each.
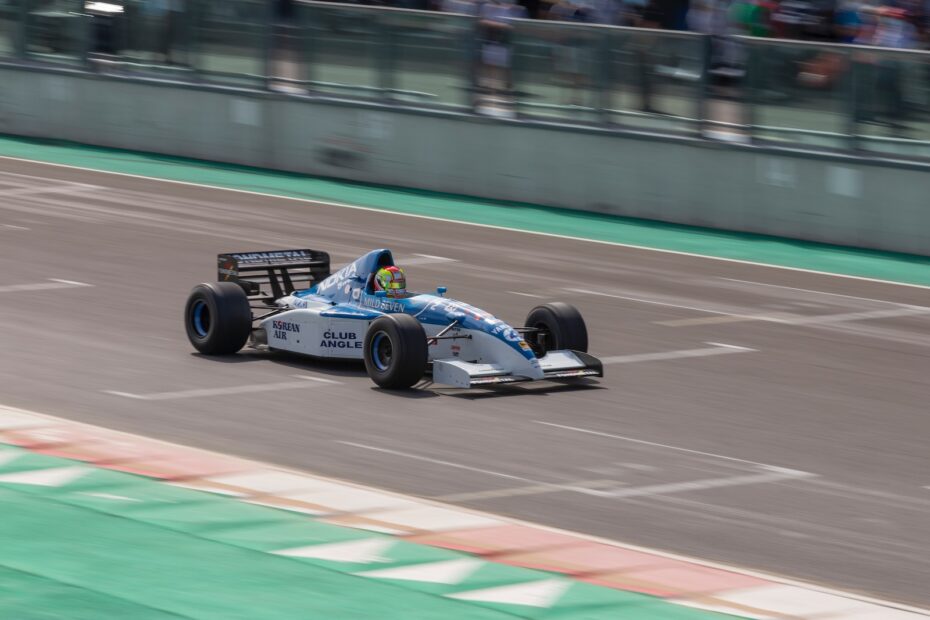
[772, 419]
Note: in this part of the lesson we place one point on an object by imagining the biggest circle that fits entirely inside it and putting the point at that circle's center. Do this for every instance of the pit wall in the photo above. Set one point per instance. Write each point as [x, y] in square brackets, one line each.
[833, 199]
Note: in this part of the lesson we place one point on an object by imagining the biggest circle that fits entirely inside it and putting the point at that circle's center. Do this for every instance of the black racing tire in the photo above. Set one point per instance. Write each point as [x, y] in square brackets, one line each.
[218, 318]
[556, 326]
[396, 351]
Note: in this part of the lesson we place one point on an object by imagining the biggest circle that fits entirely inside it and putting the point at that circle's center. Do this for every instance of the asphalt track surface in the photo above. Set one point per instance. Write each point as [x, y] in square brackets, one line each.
[771, 419]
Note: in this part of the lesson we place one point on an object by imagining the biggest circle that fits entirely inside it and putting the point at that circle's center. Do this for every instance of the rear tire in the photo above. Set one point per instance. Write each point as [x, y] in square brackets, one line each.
[218, 318]
[396, 351]
[557, 326]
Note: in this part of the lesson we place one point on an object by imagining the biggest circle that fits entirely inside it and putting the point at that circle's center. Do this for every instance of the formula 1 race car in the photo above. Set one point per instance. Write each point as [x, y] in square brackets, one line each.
[401, 338]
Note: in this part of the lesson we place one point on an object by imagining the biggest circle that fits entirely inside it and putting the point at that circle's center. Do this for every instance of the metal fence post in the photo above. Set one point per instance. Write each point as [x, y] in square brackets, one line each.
[516, 69]
[22, 32]
[86, 35]
[473, 50]
[194, 14]
[268, 45]
[385, 64]
[604, 77]
[186, 38]
[750, 86]
[853, 93]
[704, 85]
[307, 45]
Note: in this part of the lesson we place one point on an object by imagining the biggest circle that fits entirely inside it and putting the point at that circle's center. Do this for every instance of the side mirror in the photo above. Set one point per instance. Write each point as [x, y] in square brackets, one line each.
[380, 293]
[441, 290]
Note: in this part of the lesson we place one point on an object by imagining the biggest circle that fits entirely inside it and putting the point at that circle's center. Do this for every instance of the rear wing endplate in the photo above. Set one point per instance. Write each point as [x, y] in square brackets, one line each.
[282, 271]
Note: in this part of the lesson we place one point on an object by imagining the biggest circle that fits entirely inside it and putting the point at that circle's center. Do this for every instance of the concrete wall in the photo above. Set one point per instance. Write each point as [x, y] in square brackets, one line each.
[842, 201]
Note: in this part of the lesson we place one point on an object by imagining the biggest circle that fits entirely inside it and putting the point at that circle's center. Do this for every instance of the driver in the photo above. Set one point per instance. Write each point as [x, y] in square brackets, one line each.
[391, 280]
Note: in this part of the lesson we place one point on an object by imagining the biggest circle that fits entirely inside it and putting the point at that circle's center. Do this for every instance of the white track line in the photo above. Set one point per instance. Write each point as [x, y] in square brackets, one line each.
[709, 320]
[35, 177]
[238, 389]
[653, 302]
[817, 319]
[478, 470]
[427, 459]
[715, 349]
[772, 474]
[851, 316]
[786, 319]
[442, 219]
[655, 444]
[53, 283]
[807, 290]
[35, 191]
[539, 489]
[426, 259]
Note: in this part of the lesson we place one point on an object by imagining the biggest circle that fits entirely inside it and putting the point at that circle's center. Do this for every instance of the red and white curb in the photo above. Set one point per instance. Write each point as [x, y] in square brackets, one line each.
[685, 581]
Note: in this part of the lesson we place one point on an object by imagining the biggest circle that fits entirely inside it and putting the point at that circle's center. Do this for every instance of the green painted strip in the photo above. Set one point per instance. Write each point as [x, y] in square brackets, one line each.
[31, 597]
[189, 576]
[905, 268]
[113, 545]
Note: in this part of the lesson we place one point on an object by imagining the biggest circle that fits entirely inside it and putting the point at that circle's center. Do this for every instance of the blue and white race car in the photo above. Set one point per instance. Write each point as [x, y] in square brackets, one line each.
[308, 310]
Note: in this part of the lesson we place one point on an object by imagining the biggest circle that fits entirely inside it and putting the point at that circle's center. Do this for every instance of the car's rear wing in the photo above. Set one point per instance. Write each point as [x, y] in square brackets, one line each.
[283, 271]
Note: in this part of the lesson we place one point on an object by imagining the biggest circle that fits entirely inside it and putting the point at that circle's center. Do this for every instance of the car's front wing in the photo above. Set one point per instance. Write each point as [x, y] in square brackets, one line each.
[556, 365]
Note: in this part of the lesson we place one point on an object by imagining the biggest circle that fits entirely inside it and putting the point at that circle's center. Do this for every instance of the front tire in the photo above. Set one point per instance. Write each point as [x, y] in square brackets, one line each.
[218, 318]
[556, 326]
[396, 351]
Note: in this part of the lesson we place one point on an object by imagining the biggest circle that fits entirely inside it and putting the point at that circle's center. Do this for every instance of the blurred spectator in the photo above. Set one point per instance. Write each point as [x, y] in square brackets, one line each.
[841, 21]
[164, 20]
[572, 52]
[630, 12]
[894, 30]
[465, 7]
[794, 19]
[754, 17]
[571, 11]
[848, 21]
[496, 34]
[666, 14]
[881, 76]
[607, 12]
[708, 17]
[727, 60]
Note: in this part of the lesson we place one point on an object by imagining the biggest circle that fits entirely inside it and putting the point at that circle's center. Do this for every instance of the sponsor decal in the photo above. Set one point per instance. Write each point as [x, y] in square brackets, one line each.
[258, 257]
[456, 349]
[380, 303]
[340, 340]
[280, 329]
[340, 278]
[458, 310]
[523, 345]
[502, 330]
[511, 335]
[356, 293]
[228, 269]
[494, 326]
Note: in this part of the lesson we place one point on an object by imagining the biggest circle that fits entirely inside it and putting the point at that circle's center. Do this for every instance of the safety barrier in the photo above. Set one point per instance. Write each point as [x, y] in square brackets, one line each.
[400, 97]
